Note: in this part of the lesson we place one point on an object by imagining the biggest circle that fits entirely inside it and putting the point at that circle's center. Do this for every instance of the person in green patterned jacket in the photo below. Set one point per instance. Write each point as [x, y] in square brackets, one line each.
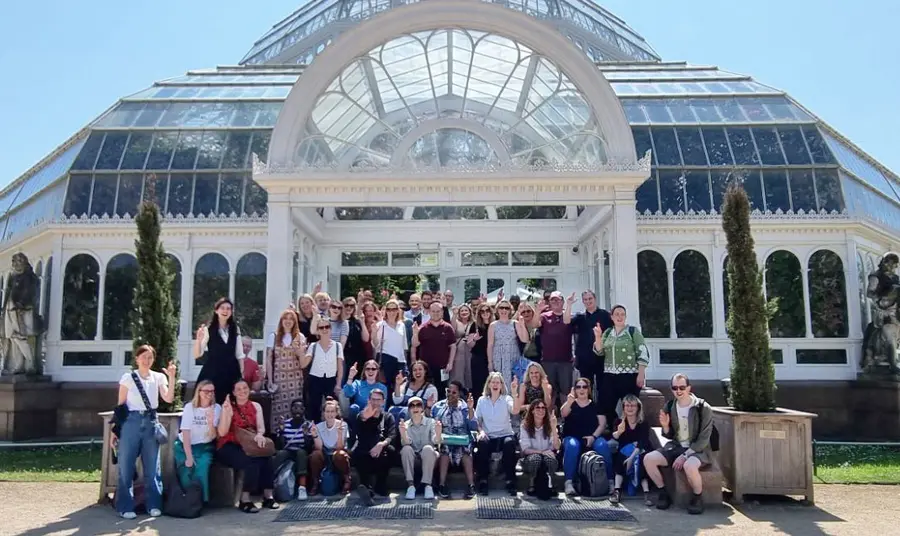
[626, 358]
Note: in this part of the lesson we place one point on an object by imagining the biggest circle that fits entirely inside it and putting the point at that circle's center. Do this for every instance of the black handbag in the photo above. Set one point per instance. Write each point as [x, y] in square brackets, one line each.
[183, 502]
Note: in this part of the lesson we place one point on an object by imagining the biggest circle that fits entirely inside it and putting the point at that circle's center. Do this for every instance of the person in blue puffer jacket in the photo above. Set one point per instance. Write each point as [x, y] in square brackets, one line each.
[357, 391]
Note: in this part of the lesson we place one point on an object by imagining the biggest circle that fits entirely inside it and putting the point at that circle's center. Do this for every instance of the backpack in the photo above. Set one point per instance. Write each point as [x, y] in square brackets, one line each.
[713, 436]
[591, 480]
[329, 481]
[285, 487]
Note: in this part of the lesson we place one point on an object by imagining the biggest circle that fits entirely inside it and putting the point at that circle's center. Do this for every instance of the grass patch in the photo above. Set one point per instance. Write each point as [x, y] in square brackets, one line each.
[837, 464]
[79, 463]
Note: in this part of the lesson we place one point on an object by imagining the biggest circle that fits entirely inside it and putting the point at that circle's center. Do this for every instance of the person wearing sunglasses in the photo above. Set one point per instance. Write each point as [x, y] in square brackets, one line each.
[539, 443]
[340, 328]
[477, 341]
[375, 448]
[581, 429]
[325, 360]
[420, 437]
[687, 421]
[504, 335]
[357, 390]
[357, 336]
[389, 340]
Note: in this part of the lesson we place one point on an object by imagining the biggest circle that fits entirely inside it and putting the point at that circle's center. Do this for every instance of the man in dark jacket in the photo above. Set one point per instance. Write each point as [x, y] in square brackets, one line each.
[376, 434]
[687, 422]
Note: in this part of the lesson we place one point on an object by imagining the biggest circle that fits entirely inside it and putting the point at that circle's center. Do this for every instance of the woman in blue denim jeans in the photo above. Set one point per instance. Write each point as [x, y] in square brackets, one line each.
[137, 436]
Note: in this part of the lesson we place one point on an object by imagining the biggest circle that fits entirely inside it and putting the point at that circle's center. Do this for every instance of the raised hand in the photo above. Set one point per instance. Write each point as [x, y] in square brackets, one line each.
[514, 385]
[351, 374]
[438, 427]
[402, 426]
[598, 332]
[432, 399]
[470, 401]
[317, 289]
[398, 379]
[621, 428]
[664, 419]
[171, 370]
[571, 396]
[201, 332]
[416, 328]
[553, 421]
[226, 407]
[314, 431]
[571, 299]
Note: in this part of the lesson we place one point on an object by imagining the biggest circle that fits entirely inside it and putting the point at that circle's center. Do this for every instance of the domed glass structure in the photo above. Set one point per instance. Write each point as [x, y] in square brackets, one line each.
[542, 144]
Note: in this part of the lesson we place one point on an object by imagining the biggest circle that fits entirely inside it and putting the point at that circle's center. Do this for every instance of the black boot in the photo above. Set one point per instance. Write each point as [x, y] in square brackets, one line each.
[696, 505]
[663, 501]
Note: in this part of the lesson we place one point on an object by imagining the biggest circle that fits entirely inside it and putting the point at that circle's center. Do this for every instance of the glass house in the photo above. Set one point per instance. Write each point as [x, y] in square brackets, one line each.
[472, 146]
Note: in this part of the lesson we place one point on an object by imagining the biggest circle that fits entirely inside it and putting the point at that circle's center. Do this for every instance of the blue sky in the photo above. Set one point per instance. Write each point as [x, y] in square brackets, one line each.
[65, 62]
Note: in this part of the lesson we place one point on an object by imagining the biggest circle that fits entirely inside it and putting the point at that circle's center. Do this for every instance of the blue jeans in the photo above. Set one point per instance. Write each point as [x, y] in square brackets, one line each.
[572, 449]
[138, 439]
[391, 365]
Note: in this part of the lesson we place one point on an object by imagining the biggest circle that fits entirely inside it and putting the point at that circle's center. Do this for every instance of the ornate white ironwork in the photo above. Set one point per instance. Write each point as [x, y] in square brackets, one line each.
[648, 216]
[640, 166]
[179, 218]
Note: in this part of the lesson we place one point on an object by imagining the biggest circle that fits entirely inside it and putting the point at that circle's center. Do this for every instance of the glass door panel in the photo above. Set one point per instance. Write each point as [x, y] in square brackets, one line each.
[533, 288]
[464, 287]
[496, 283]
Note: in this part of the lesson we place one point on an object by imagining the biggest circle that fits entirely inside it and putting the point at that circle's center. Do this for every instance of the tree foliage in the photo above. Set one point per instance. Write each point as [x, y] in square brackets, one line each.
[752, 370]
[154, 321]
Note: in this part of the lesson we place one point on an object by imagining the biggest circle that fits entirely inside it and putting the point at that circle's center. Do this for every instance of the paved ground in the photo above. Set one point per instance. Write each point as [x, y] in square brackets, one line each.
[68, 509]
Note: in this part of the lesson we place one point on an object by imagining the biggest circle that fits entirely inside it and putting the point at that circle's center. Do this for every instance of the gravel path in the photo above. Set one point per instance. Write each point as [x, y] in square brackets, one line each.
[69, 509]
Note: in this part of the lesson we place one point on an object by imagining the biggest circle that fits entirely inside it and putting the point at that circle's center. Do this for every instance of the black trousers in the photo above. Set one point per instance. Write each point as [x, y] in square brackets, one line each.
[370, 468]
[483, 451]
[318, 388]
[619, 465]
[258, 473]
[614, 387]
[479, 375]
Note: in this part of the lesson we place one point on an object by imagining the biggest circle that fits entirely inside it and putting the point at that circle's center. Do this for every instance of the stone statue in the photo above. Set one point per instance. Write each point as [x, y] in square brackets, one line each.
[883, 333]
[21, 322]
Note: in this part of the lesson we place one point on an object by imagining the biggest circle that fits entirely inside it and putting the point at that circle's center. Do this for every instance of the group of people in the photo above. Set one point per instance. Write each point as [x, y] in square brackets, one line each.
[466, 382]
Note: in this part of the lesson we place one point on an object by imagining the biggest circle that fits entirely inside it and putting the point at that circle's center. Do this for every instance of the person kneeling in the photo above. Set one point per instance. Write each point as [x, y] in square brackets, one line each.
[376, 432]
[420, 437]
[540, 443]
[688, 422]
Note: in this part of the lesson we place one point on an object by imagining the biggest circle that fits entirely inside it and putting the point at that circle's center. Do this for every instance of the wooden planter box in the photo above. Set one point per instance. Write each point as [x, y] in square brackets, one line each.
[109, 472]
[766, 453]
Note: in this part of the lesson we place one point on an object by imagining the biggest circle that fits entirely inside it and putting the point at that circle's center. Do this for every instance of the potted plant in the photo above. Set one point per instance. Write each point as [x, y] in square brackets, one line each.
[763, 449]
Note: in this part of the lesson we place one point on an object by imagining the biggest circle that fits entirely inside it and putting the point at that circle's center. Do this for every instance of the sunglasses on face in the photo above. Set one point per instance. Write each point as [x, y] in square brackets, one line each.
[207, 391]
[323, 328]
[349, 305]
[541, 408]
[371, 369]
[581, 386]
[391, 308]
[504, 308]
[679, 387]
[335, 307]
[415, 405]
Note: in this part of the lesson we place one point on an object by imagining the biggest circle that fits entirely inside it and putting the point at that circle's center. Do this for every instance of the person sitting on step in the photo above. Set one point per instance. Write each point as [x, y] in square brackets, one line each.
[632, 433]
[376, 433]
[539, 441]
[456, 416]
[420, 437]
[418, 384]
[582, 426]
[330, 438]
[688, 423]
[495, 434]
[357, 391]
[294, 441]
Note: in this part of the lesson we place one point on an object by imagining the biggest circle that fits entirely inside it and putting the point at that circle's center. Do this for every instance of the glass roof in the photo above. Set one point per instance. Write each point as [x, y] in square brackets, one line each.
[53, 170]
[714, 110]
[864, 202]
[862, 169]
[130, 114]
[300, 37]
[500, 87]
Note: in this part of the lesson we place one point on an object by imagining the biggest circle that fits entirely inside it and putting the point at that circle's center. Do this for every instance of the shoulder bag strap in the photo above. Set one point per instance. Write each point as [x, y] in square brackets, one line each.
[140, 388]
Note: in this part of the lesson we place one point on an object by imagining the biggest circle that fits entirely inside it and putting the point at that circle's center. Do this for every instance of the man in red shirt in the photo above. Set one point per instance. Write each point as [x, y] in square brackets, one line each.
[556, 344]
[434, 342]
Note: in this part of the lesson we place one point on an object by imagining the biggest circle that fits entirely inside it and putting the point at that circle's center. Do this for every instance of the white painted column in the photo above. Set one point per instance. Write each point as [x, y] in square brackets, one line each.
[54, 312]
[280, 253]
[186, 324]
[100, 302]
[716, 271]
[624, 255]
[232, 268]
[670, 278]
[804, 272]
[851, 278]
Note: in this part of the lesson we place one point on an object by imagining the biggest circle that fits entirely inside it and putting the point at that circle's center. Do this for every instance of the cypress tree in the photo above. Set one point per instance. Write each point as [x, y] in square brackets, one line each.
[752, 370]
[154, 321]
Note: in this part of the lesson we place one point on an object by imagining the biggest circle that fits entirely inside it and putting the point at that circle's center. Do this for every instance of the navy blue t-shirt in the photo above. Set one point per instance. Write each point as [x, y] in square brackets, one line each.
[582, 421]
[583, 326]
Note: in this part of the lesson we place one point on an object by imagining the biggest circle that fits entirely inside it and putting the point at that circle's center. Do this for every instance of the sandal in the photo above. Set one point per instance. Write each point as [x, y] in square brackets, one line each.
[248, 508]
[270, 504]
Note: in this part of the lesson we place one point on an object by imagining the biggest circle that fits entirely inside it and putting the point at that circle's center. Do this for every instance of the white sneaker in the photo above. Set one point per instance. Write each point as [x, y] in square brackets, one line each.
[155, 512]
[570, 489]
[411, 493]
[429, 493]
[128, 515]
[301, 493]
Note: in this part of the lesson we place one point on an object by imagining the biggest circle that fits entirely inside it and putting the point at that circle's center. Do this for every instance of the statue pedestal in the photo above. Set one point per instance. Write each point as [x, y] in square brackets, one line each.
[28, 407]
[653, 401]
[874, 403]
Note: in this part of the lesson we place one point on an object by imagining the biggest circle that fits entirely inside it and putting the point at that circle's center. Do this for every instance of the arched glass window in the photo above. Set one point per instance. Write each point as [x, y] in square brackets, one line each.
[210, 284]
[827, 295]
[250, 294]
[784, 281]
[451, 147]
[175, 270]
[81, 284]
[653, 294]
[118, 300]
[693, 296]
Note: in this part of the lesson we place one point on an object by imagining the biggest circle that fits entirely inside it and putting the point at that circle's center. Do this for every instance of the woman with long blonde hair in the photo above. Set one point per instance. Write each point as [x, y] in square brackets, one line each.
[284, 351]
[462, 322]
[477, 341]
[389, 341]
[504, 335]
[196, 443]
[306, 311]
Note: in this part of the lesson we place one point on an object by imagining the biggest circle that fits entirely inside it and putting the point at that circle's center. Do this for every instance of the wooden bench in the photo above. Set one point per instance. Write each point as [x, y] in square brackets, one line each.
[224, 486]
[677, 484]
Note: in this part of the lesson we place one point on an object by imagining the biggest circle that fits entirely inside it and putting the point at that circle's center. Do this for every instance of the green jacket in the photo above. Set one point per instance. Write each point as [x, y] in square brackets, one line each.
[700, 421]
[624, 353]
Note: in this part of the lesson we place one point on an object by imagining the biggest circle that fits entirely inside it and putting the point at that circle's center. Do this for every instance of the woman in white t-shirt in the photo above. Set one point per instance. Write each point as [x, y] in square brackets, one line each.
[325, 360]
[389, 341]
[137, 436]
[330, 437]
[196, 443]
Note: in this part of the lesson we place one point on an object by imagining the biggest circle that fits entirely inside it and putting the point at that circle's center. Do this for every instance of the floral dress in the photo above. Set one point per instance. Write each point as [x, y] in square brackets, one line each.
[506, 349]
[288, 376]
[462, 363]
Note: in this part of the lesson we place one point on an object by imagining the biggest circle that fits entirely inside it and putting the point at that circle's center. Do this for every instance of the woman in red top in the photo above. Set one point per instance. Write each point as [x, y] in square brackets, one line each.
[239, 412]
